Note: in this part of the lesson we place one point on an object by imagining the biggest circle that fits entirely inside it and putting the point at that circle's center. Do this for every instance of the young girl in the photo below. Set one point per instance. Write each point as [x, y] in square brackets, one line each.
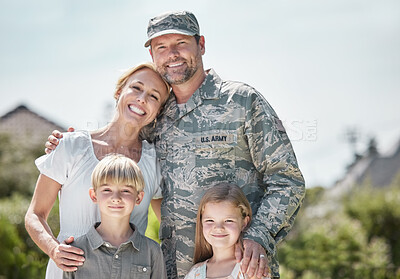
[224, 213]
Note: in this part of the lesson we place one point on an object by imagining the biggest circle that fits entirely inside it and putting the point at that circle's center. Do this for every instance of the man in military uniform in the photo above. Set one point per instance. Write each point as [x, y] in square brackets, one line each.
[215, 131]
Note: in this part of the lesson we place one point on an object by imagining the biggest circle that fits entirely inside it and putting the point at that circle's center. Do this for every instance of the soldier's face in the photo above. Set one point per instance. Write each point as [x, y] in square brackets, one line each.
[177, 57]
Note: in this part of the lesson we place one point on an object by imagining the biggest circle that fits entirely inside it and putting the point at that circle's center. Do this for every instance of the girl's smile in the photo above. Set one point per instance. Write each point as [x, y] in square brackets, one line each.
[222, 224]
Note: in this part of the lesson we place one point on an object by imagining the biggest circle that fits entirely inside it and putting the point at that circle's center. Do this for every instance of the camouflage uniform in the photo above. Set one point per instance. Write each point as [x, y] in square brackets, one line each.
[226, 132]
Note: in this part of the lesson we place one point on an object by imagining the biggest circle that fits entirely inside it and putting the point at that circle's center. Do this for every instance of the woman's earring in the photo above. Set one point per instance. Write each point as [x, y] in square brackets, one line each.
[155, 121]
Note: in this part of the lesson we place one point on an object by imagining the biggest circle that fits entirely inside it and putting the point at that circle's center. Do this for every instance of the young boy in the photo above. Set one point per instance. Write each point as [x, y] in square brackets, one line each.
[114, 248]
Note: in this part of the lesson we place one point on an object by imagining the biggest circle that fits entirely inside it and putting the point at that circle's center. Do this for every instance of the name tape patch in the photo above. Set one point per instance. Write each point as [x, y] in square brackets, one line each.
[216, 138]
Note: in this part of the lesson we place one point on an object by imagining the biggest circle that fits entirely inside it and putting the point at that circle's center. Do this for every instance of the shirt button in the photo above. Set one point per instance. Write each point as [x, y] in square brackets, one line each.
[107, 245]
[144, 269]
[116, 256]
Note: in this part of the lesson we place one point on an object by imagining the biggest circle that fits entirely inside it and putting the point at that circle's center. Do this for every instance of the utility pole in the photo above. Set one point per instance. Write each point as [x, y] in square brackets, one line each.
[352, 136]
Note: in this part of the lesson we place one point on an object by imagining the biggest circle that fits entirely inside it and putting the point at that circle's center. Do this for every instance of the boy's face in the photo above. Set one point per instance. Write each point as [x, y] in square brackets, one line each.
[116, 200]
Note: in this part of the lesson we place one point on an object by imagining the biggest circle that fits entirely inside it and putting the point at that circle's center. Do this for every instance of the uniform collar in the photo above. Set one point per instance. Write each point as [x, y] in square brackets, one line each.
[211, 86]
[208, 90]
[95, 240]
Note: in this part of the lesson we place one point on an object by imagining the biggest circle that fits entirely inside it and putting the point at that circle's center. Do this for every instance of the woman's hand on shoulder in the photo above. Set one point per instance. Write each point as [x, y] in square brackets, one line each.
[66, 256]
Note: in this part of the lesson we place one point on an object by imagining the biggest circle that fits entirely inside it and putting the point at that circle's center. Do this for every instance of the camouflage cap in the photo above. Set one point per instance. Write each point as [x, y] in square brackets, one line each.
[181, 22]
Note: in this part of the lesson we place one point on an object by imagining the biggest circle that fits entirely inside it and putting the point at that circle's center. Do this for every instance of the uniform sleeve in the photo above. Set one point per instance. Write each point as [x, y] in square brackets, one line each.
[283, 183]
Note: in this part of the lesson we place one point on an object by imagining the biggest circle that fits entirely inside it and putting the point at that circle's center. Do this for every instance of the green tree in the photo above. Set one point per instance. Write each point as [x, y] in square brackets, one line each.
[18, 172]
[335, 248]
[378, 211]
[339, 244]
[19, 255]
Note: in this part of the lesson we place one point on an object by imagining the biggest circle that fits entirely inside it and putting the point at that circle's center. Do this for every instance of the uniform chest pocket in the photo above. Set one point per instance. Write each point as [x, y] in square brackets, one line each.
[216, 152]
[140, 271]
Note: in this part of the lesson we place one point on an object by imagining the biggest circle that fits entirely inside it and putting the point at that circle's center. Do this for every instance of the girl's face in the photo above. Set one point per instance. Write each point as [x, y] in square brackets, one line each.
[222, 224]
[142, 97]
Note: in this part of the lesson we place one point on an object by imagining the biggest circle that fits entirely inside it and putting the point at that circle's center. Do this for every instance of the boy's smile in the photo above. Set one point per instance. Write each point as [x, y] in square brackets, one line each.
[116, 200]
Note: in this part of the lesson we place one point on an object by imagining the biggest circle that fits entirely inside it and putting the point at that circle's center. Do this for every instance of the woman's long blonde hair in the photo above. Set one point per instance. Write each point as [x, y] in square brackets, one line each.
[222, 192]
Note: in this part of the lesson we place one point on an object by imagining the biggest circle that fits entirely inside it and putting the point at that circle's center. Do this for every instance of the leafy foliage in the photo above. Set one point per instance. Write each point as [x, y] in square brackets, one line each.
[18, 172]
[19, 255]
[359, 239]
[379, 213]
[336, 248]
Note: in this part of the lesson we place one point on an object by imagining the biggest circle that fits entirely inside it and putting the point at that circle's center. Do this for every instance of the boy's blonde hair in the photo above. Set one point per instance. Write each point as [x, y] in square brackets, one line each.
[222, 192]
[117, 169]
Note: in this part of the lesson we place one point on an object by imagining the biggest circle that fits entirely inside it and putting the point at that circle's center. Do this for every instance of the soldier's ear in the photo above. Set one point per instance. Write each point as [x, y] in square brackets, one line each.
[151, 54]
[202, 44]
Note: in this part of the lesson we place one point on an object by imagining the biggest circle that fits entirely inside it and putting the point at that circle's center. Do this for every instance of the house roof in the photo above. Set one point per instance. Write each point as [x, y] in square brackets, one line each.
[377, 169]
[382, 169]
[23, 108]
[22, 123]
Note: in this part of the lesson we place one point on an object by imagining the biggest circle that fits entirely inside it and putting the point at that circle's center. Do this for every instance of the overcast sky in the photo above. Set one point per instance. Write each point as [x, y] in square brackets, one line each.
[325, 66]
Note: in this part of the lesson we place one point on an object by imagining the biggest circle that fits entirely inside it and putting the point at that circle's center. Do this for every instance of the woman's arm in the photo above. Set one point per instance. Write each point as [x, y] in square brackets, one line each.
[156, 205]
[65, 256]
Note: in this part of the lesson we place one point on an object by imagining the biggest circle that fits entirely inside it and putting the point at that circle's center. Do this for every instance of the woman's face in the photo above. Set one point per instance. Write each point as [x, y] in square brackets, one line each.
[142, 97]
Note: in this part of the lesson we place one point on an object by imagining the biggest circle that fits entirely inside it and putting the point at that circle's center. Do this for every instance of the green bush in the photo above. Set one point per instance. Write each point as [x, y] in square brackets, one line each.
[334, 248]
[19, 255]
[18, 172]
[359, 239]
[378, 210]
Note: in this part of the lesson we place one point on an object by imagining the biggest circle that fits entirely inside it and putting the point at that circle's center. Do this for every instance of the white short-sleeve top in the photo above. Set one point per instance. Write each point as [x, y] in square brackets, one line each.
[71, 164]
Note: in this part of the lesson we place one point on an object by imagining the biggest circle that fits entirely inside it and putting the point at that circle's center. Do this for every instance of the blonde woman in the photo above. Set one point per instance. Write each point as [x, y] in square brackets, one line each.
[66, 172]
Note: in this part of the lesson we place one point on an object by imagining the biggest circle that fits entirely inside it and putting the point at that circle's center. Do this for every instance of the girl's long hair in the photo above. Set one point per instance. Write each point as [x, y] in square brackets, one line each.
[219, 193]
